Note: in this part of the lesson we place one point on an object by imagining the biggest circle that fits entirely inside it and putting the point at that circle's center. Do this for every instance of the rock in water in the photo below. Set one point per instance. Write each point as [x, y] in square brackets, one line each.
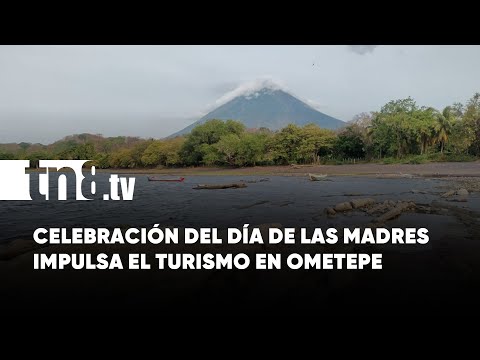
[462, 192]
[330, 211]
[459, 195]
[345, 206]
[448, 193]
[393, 213]
[359, 203]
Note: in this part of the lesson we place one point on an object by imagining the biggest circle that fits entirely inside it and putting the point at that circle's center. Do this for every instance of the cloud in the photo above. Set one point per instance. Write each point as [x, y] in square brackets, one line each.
[362, 49]
[249, 88]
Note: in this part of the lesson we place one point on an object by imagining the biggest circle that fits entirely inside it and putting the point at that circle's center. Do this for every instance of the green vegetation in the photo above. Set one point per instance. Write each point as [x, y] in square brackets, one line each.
[401, 132]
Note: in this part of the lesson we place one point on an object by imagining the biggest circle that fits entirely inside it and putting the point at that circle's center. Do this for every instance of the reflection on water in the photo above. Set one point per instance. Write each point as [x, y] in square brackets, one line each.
[292, 201]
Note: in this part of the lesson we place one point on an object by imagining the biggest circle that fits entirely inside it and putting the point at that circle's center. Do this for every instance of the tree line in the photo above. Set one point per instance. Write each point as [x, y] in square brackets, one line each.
[399, 130]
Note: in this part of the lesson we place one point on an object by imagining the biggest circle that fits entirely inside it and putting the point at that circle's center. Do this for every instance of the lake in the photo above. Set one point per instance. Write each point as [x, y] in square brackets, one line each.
[290, 200]
[441, 276]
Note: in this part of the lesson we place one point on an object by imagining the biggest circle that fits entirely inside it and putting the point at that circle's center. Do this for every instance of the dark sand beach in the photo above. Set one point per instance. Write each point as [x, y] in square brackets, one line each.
[440, 169]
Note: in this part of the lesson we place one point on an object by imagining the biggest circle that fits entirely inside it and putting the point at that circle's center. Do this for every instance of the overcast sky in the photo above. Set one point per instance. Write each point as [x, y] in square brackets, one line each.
[48, 92]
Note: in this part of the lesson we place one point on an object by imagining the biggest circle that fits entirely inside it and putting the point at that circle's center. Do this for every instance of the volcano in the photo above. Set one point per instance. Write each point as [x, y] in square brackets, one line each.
[268, 107]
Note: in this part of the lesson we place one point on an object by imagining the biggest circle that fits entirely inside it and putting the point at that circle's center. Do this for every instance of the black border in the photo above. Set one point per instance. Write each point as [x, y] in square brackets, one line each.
[247, 24]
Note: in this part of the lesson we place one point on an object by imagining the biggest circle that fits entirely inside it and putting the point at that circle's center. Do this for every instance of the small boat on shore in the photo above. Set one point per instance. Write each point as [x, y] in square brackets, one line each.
[154, 178]
[317, 177]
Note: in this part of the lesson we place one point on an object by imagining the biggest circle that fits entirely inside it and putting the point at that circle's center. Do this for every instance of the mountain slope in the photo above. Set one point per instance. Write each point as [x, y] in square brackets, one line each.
[269, 108]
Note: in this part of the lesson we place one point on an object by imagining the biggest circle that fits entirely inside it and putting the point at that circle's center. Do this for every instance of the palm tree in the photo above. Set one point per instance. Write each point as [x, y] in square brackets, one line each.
[444, 126]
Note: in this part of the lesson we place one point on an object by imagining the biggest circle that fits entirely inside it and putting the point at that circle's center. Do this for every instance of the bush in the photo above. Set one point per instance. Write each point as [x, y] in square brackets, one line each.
[460, 157]
[390, 160]
[432, 157]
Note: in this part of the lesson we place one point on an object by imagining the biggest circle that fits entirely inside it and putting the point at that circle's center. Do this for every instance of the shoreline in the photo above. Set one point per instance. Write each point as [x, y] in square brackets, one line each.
[443, 169]
[439, 170]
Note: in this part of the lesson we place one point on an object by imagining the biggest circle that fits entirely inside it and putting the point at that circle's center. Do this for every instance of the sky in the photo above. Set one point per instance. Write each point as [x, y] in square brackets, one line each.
[48, 92]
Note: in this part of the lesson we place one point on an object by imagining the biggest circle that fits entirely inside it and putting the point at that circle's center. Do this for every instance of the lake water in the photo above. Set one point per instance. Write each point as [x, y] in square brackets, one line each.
[292, 201]
[439, 277]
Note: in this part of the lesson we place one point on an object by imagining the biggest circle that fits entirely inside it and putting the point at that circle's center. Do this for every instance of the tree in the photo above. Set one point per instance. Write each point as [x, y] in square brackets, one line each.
[394, 119]
[252, 148]
[6, 156]
[444, 126]
[129, 157]
[172, 151]
[471, 118]
[407, 105]
[423, 123]
[210, 154]
[209, 133]
[228, 148]
[462, 133]
[102, 160]
[351, 142]
[390, 133]
[363, 119]
[136, 153]
[401, 128]
[73, 151]
[35, 158]
[122, 159]
[163, 152]
[315, 142]
[152, 155]
[285, 143]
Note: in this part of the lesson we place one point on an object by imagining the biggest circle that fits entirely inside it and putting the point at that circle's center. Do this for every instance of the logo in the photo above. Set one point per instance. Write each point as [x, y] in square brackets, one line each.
[15, 182]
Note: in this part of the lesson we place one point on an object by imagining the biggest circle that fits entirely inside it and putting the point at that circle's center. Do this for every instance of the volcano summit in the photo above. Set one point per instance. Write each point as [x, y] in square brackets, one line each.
[269, 107]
